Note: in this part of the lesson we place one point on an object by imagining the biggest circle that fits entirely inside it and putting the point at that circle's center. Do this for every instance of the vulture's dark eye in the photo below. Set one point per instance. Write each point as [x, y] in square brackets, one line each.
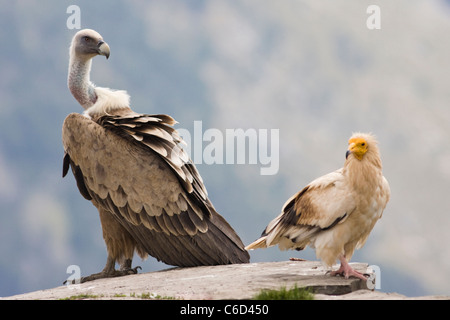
[86, 39]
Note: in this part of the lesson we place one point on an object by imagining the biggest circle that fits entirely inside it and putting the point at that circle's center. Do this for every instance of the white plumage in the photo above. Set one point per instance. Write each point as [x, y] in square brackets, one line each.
[335, 213]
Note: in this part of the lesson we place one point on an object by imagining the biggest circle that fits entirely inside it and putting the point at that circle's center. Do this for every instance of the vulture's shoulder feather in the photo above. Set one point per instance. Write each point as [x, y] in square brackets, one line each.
[319, 206]
[155, 133]
[323, 203]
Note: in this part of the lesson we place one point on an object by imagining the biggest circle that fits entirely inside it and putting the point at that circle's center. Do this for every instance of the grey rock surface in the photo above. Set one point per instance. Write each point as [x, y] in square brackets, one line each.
[238, 281]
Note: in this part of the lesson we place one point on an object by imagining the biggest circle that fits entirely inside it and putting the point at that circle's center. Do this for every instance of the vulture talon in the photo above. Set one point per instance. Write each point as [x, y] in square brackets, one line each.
[136, 269]
[133, 270]
[346, 271]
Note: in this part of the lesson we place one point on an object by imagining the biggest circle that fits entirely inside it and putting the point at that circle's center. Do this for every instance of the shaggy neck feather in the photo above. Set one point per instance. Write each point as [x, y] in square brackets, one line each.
[79, 83]
[363, 173]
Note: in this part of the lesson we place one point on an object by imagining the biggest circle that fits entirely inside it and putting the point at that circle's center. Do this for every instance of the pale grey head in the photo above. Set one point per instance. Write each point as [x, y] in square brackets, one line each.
[86, 44]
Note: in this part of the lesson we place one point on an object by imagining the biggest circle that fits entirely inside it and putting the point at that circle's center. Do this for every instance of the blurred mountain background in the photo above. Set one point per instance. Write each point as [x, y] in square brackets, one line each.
[311, 69]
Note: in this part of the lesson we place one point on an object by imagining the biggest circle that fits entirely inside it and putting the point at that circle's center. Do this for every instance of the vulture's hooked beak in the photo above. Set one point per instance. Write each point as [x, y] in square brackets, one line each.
[103, 49]
[349, 150]
[358, 150]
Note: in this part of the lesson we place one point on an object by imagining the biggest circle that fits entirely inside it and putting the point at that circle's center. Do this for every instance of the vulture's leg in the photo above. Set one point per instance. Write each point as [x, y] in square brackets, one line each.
[347, 271]
[120, 246]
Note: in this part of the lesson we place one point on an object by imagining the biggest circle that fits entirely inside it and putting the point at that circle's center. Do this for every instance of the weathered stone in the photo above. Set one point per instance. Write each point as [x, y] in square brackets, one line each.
[238, 281]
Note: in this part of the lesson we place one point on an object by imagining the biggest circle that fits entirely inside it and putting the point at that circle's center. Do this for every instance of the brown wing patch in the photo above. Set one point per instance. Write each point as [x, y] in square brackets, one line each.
[155, 132]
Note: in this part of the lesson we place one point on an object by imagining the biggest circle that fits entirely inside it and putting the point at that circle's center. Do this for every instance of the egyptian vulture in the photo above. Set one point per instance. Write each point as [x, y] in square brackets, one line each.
[150, 196]
[335, 213]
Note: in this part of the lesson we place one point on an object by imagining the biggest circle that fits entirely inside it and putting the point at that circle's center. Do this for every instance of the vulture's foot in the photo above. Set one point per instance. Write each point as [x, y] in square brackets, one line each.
[110, 272]
[347, 271]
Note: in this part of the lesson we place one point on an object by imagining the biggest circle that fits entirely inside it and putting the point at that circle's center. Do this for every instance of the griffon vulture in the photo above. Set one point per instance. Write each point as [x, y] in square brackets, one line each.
[150, 196]
[335, 213]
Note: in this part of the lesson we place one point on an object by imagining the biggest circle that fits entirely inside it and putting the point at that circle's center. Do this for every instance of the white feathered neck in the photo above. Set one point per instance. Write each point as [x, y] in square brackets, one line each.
[108, 101]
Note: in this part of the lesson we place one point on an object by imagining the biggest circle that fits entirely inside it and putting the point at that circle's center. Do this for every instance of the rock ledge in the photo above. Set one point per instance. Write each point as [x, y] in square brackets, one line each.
[238, 281]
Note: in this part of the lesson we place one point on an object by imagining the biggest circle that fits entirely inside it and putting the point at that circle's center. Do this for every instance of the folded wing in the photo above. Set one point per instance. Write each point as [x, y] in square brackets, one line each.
[132, 166]
[318, 207]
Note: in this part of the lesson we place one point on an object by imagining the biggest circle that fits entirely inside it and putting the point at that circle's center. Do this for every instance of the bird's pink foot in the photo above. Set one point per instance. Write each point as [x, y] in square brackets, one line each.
[347, 271]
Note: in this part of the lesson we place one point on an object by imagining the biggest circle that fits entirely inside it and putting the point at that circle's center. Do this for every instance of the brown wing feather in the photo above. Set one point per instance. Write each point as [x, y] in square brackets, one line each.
[155, 132]
[318, 207]
[167, 213]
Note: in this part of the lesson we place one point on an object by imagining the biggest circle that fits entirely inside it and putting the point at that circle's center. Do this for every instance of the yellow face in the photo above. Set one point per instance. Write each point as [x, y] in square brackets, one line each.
[357, 146]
